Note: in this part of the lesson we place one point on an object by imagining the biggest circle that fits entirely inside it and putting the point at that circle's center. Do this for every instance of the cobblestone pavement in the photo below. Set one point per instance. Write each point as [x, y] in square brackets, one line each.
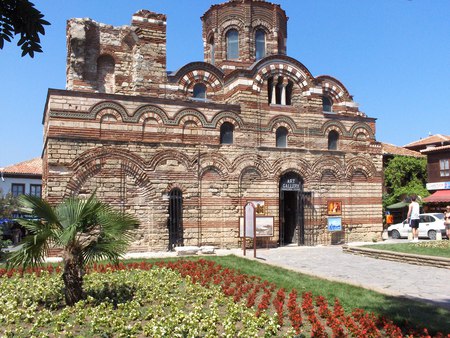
[393, 278]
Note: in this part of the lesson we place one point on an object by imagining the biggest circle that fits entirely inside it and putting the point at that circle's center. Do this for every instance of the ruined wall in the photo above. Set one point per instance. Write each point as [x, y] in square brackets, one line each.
[123, 60]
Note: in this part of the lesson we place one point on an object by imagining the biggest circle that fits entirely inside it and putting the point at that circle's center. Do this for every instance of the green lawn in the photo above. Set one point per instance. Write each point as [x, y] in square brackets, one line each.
[429, 248]
[399, 309]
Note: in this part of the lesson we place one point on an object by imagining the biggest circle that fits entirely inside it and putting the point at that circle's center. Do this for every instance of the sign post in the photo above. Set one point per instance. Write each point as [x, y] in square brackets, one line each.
[250, 226]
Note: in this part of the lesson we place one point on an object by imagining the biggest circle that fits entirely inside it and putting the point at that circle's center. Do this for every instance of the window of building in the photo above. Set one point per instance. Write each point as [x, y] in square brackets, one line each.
[200, 91]
[280, 91]
[281, 136]
[333, 138]
[36, 190]
[260, 43]
[327, 104]
[226, 133]
[105, 74]
[212, 49]
[232, 44]
[17, 189]
[444, 168]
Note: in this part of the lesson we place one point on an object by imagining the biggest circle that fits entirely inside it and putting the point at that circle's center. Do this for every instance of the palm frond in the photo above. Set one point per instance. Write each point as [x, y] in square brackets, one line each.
[77, 216]
[105, 249]
[39, 208]
[34, 249]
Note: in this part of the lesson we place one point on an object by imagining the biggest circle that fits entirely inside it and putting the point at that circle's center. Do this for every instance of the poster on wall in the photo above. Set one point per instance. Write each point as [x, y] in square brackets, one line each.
[334, 207]
[260, 206]
[334, 224]
[264, 226]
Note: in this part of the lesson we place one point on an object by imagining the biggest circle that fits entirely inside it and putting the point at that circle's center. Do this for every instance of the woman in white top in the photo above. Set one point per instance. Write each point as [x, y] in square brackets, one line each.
[413, 218]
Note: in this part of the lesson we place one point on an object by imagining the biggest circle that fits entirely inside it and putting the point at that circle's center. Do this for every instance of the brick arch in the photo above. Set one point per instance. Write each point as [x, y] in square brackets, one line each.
[288, 170]
[300, 77]
[226, 116]
[292, 163]
[168, 155]
[334, 125]
[98, 110]
[360, 164]
[261, 24]
[190, 79]
[327, 163]
[150, 115]
[146, 111]
[176, 185]
[204, 170]
[334, 89]
[190, 114]
[91, 163]
[362, 128]
[217, 161]
[282, 121]
[251, 160]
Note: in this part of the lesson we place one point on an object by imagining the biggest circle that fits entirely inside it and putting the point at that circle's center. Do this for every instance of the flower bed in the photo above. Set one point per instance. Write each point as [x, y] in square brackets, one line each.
[183, 298]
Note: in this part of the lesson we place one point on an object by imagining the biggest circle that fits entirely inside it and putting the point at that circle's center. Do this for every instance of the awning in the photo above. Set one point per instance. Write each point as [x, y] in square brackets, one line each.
[438, 196]
[398, 205]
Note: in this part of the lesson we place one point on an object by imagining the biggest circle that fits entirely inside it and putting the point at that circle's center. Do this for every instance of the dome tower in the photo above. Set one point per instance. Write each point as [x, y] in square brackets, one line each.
[239, 32]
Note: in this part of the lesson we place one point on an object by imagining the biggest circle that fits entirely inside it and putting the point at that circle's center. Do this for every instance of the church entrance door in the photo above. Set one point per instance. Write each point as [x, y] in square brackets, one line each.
[291, 208]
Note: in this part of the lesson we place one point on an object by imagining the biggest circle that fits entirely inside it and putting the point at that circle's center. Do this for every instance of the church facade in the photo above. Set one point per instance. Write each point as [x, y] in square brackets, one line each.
[185, 151]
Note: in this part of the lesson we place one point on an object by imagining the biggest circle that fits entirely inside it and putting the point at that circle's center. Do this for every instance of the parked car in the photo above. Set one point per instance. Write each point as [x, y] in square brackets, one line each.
[429, 226]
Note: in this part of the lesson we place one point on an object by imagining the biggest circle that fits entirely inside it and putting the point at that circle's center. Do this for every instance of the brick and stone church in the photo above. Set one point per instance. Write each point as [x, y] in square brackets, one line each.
[184, 151]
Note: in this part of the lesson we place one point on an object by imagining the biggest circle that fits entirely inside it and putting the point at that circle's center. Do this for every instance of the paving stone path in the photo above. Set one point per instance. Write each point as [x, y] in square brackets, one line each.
[393, 278]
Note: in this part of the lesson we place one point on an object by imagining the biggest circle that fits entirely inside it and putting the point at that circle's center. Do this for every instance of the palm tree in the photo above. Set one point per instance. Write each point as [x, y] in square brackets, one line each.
[86, 230]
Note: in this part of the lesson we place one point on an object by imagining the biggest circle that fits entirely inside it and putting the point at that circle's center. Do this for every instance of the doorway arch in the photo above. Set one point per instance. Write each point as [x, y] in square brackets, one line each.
[292, 222]
[175, 221]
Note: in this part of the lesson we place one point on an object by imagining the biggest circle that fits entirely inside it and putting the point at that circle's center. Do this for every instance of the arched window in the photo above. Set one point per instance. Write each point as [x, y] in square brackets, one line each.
[333, 138]
[326, 104]
[281, 135]
[175, 220]
[200, 91]
[260, 44]
[226, 133]
[105, 74]
[280, 91]
[232, 44]
[212, 49]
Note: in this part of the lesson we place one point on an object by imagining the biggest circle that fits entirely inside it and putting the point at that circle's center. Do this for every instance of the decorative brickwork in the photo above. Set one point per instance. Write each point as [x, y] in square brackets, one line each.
[132, 133]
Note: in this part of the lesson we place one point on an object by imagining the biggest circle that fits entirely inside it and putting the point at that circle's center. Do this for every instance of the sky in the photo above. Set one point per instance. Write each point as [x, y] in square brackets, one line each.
[393, 56]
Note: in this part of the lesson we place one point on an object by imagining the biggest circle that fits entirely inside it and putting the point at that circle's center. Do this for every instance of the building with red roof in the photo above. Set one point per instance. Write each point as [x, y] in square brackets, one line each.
[22, 178]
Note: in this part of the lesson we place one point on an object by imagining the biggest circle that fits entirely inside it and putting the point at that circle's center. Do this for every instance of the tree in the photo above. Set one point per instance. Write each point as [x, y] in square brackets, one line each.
[21, 17]
[8, 204]
[405, 176]
[87, 230]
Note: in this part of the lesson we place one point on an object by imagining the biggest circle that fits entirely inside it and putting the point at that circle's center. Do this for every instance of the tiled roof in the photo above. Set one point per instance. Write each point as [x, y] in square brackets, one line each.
[31, 167]
[432, 149]
[390, 149]
[438, 138]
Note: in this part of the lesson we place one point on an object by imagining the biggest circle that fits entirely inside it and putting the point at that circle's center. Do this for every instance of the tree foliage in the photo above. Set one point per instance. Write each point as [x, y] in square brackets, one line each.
[87, 230]
[405, 176]
[8, 204]
[20, 17]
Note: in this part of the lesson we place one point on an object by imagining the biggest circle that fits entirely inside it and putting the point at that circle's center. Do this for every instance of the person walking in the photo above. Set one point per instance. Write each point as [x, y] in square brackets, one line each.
[413, 218]
[447, 221]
